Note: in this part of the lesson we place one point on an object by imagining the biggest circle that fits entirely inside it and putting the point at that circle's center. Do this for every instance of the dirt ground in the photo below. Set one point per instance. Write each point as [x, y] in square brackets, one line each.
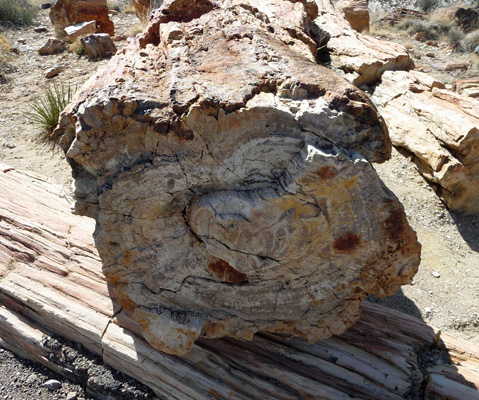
[445, 292]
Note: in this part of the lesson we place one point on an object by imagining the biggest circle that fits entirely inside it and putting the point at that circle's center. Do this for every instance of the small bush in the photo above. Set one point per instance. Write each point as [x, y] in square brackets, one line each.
[427, 5]
[18, 12]
[45, 111]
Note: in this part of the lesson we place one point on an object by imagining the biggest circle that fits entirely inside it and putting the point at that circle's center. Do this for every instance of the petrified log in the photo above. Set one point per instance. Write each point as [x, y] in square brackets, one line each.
[440, 128]
[51, 283]
[356, 12]
[360, 58]
[71, 12]
[230, 181]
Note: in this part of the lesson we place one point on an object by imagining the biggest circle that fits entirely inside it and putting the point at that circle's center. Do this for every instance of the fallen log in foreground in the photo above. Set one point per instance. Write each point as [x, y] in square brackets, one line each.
[51, 284]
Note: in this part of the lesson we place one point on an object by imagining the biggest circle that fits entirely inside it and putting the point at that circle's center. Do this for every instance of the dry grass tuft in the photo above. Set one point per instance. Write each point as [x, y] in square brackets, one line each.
[136, 29]
[77, 47]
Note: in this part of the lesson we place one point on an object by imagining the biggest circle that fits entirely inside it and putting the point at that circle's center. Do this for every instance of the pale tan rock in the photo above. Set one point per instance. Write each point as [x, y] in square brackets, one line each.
[467, 87]
[98, 45]
[440, 128]
[54, 71]
[71, 12]
[356, 12]
[80, 30]
[52, 46]
[230, 180]
[361, 59]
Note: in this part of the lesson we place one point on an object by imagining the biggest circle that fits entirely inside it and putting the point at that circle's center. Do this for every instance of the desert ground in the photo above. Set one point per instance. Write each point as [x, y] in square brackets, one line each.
[445, 291]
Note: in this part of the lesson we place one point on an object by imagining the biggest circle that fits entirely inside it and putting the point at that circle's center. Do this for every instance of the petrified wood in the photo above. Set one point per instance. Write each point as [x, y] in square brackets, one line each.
[361, 59]
[70, 12]
[51, 283]
[440, 128]
[230, 179]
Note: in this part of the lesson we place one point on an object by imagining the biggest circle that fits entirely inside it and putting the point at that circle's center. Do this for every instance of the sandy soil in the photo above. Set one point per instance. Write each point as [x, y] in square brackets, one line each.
[445, 292]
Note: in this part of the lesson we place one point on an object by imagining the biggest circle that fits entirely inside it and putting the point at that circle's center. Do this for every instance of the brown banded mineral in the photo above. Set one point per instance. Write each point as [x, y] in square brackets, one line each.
[230, 178]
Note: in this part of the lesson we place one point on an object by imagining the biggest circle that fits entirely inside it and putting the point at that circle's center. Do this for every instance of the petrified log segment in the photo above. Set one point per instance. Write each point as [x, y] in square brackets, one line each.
[356, 12]
[361, 59]
[230, 180]
[440, 128]
[142, 9]
[70, 12]
[51, 283]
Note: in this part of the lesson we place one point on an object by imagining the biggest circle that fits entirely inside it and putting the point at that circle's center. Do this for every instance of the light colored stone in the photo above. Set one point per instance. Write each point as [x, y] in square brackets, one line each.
[98, 45]
[230, 179]
[52, 46]
[54, 71]
[361, 59]
[440, 128]
[467, 87]
[71, 12]
[356, 12]
[80, 30]
[52, 385]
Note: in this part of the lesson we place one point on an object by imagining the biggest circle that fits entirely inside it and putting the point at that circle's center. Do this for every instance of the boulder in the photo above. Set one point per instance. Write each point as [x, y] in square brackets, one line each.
[356, 12]
[439, 128]
[52, 46]
[98, 45]
[230, 179]
[80, 30]
[71, 12]
[361, 59]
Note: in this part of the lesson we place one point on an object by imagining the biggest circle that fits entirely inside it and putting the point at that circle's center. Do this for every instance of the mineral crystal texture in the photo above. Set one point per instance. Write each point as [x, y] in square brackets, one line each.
[230, 178]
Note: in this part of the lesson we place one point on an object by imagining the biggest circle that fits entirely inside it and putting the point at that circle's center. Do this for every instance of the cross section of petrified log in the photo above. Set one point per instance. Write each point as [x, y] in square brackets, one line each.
[230, 179]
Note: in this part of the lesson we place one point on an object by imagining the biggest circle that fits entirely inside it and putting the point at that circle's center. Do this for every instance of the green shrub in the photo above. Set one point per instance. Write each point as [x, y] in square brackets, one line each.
[427, 5]
[18, 12]
[45, 110]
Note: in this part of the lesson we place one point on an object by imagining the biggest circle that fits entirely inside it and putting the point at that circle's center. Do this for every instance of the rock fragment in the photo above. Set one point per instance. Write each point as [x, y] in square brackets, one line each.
[356, 12]
[70, 12]
[98, 45]
[439, 128]
[52, 46]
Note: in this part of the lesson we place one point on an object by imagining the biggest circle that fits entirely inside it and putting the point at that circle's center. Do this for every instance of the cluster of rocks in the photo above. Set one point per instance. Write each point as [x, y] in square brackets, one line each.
[86, 21]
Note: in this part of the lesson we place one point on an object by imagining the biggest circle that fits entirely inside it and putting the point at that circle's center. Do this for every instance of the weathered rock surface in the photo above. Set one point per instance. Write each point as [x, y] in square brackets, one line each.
[98, 45]
[70, 12]
[80, 30]
[51, 284]
[142, 9]
[230, 179]
[440, 128]
[356, 12]
[52, 46]
[467, 87]
[361, 59]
